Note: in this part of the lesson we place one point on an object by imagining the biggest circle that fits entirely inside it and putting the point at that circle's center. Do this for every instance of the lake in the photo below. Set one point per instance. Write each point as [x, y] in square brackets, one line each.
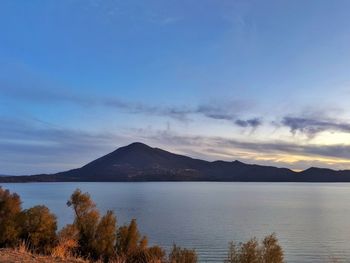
[311, 220]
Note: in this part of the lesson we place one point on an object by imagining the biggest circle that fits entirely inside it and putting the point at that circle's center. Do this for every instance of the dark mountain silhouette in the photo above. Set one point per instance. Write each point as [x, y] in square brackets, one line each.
[140, 162]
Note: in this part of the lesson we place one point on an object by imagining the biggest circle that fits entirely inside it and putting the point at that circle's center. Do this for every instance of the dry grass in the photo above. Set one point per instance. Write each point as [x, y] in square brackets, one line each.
[23, 248]
[64, 249]
[21, 255]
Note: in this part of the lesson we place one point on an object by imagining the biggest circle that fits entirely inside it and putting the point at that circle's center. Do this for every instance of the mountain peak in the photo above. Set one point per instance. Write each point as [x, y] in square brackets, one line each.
[132, 150]
[138, 145]
[134, 147]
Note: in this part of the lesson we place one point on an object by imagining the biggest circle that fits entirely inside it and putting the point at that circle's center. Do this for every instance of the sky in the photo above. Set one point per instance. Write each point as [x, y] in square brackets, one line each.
[263, 82]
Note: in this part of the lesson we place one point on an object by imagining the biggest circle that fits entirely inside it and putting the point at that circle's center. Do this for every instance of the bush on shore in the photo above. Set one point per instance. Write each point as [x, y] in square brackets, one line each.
[182, 255]
[38, 228]
[268, 251]
[10, 209]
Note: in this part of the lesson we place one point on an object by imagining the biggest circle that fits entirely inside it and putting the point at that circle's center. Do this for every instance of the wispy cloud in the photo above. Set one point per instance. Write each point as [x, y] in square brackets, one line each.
[38, 92]
[340, 151]
[254, 123]
[313, 126]
[223, 110]
[229, 111]
[30, 146]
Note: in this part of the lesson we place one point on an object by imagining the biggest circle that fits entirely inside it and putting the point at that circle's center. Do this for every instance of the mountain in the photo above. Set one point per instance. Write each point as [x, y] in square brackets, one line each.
[140, 162]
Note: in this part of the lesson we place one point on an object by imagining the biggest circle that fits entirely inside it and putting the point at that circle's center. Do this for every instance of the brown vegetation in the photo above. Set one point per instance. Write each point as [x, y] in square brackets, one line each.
[268, 251]
[8, 255]
[10, 208]
[182, 255]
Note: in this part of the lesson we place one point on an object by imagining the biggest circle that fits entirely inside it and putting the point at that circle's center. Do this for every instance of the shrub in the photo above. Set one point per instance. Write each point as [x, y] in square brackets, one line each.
[155, 254]
[129, 240]
[269, 251]
[10, 208]
[249, 252]
[147, 255]
[131, 247]
[106, 236]
[182, 255]
[39, 228]
[86, 220]
[67, 242]
[96, 237]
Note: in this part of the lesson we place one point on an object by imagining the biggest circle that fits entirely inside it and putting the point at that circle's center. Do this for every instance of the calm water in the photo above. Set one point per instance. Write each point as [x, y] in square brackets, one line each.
[312, 221]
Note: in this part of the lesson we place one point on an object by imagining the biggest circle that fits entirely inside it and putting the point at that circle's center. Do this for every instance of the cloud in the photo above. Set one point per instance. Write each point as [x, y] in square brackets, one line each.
[44, 92]
[19, 83]
[229, 111]
[30, 146]
[223, 109]
[215, 111]
[210, 110]
[221, 144]
[254, 123]
[313, 126]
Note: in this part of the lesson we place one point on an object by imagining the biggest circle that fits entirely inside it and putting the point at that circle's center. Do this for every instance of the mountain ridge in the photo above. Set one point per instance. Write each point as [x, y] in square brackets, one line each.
[140, 162]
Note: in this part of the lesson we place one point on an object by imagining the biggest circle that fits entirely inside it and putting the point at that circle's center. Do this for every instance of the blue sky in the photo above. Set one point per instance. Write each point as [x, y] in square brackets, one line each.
[259, 81]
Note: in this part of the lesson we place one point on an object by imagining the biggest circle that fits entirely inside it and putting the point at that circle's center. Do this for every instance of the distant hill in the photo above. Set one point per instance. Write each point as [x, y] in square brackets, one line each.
[139, 162]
